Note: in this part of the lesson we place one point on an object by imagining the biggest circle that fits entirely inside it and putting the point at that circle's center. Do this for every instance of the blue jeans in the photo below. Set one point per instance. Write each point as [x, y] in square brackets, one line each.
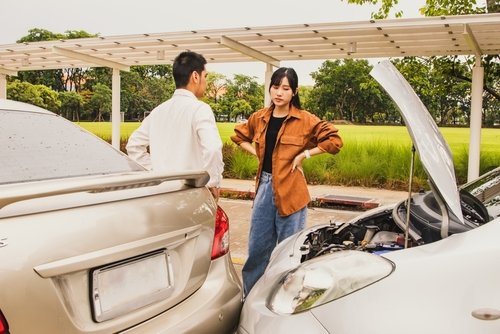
[267, 229]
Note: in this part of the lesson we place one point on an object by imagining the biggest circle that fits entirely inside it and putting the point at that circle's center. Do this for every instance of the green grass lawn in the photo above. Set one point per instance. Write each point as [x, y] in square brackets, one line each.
[457, 138]
[103, 129]
[376, 156]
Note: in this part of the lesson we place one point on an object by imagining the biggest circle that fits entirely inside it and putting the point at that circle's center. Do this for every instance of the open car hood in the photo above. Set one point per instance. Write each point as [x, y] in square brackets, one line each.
[434, 152]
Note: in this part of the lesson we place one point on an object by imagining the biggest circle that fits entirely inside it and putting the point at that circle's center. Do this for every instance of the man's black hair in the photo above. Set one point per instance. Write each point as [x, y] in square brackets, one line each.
[184, 65]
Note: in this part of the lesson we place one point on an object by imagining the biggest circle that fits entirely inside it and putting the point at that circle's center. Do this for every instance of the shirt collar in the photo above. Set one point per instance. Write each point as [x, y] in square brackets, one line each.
[184, 92]
[294, 112]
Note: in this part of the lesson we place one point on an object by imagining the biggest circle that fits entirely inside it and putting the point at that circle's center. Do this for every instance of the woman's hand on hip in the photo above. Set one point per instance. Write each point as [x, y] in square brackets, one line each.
[297, 163]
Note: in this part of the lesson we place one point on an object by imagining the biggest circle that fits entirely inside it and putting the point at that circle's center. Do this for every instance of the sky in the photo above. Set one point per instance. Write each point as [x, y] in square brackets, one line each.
[125, 17]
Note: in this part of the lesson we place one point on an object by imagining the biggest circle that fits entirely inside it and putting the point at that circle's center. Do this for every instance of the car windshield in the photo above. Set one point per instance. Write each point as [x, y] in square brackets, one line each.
[37, 146]
[487, 189]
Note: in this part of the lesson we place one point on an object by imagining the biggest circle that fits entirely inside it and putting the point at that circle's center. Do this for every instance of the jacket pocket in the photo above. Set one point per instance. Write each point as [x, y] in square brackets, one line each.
[290, 146]
[292, 140]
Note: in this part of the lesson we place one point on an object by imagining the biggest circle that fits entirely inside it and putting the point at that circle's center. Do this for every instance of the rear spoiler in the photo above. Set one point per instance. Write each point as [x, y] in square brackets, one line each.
[31, 190]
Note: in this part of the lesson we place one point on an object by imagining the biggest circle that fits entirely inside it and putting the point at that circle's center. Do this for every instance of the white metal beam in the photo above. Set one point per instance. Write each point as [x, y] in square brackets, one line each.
[3, 86]
[475, 121]
[115, 109]
[267, 83]
[3, 81]
[89, 59]
[8, 72]
[236, 46]
[471, 41]
[476, 111]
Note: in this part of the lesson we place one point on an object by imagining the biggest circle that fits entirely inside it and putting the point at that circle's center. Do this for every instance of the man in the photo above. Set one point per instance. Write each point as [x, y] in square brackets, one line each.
[181, 132]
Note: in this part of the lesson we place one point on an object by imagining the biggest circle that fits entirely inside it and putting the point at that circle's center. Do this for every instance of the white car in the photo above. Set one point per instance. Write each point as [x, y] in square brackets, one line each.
[432, 271]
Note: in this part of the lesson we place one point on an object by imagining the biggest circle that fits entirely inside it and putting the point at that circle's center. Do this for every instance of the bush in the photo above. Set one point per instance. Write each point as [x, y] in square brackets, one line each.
[238, 163]
[487, 162]
[376, 164]
[361, 164]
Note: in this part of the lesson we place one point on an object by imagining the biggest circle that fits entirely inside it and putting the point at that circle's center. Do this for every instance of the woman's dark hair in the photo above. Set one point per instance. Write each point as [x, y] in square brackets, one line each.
[185, 64]
[293, 81]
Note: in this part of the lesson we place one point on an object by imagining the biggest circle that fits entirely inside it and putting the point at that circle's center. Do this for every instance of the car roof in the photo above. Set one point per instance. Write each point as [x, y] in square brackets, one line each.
[6, 104]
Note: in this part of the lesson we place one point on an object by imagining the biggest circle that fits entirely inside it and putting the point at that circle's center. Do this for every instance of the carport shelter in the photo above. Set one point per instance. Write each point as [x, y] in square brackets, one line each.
[475, 35]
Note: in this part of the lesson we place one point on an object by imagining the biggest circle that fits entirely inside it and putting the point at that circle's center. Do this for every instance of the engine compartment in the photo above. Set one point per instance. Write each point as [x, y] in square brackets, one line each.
[385, 230]
[374, 234]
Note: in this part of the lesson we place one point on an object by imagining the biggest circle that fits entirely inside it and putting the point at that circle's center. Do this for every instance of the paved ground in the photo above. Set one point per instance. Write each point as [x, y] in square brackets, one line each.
[239, 210]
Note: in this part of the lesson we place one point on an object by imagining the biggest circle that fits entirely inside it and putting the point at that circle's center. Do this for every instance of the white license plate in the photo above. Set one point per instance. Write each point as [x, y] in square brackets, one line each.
[131, 284]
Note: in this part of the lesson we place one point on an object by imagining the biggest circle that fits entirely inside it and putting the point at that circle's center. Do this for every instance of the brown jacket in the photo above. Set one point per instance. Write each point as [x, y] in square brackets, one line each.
[301, 131]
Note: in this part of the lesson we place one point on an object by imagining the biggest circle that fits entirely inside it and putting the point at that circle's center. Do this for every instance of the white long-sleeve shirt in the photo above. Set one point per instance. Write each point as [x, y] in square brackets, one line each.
[182, 135]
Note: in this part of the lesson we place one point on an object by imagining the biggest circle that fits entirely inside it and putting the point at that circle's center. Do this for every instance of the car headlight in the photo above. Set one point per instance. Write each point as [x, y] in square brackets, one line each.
[326, 278]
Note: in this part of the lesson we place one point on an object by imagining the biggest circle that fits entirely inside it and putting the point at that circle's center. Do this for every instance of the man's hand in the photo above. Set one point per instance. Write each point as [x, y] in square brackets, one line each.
[215, 192]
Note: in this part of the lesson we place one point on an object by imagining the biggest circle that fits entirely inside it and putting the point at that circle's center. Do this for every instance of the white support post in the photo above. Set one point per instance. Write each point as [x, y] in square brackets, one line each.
[475, 120]
[3, 86]
[267, 81]
[115, 109]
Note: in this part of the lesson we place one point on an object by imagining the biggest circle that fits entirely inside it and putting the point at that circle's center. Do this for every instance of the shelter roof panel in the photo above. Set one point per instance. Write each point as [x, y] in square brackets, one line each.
[430, 36]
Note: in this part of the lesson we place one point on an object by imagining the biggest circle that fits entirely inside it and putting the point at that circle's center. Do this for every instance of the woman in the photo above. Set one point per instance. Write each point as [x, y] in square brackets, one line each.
[284, 135]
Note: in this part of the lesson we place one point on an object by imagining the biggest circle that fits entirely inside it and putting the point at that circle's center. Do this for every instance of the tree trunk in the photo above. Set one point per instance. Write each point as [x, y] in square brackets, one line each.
[493, 6]
[78, 113]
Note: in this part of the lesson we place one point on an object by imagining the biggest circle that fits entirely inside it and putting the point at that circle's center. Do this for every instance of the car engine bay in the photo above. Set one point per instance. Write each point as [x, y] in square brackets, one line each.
[385, 230]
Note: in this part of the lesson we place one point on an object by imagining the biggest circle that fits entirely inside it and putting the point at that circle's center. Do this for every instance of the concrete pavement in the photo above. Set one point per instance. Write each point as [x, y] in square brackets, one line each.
[344, 196]
[340, 204]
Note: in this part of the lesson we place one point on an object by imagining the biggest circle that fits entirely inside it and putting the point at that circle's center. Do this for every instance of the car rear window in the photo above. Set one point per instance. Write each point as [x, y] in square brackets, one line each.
[36, 146]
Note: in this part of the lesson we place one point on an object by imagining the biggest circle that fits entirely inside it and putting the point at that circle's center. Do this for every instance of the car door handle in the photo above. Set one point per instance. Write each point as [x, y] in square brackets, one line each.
[486, 314]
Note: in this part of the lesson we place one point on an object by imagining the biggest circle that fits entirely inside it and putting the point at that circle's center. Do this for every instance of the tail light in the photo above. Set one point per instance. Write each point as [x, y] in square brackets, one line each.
[4, 326]
[221, 235]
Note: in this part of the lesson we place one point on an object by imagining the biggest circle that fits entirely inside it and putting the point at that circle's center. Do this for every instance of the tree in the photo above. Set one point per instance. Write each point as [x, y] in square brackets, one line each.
[142, 89]
[215, 86]
[154, 71]
[453, 66]
[431, 7]
[37, 95]
[244, 88]
[142, 94]
[492, 111]
[241, 108]
[344, 90]
[71, 104]
[24, 92]
[493, 6]
[305, 96]
[385, 7]
[49, 97]
[451, 94]
[59, 80]
[100, 102]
